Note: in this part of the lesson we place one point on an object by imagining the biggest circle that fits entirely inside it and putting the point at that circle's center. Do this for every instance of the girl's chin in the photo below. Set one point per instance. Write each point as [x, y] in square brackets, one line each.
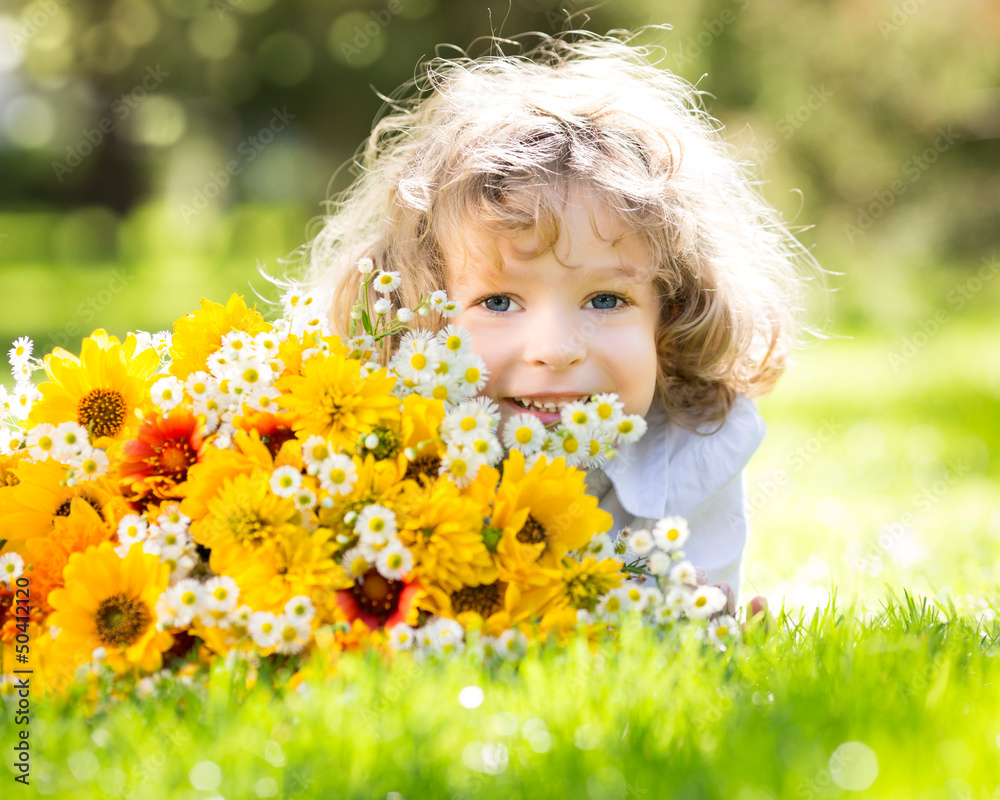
[508, 408]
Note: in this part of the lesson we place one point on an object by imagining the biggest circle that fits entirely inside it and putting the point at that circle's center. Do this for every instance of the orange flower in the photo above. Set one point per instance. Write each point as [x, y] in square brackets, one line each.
[379, 602]
[157, 461]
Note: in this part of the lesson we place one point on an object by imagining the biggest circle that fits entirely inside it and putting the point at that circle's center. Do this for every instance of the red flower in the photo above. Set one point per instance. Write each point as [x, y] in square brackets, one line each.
[380, 602]
[157, 461]
[274, 429]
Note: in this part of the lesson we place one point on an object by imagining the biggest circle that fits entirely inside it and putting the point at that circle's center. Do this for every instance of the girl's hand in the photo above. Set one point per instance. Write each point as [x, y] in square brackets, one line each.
[757, 611]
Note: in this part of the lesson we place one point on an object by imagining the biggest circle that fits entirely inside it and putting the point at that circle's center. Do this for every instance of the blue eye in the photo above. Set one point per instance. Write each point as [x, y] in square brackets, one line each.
[498, 302]
[605, 302]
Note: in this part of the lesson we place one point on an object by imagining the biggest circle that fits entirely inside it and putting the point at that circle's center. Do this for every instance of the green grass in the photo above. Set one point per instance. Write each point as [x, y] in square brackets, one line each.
[641, 718]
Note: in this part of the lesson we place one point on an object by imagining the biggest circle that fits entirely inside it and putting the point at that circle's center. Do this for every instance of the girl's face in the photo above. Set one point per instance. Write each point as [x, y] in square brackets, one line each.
[576, 321]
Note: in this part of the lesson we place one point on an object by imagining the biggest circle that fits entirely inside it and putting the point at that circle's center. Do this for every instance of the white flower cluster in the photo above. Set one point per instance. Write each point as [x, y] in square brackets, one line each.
[240, 377]
[440, 365]
[16, 405]
[69, 444]
[586, 436]
[168, 538]
[669, 590]
[377, 545]
[159, 341]
[438, 636]
[302, 313]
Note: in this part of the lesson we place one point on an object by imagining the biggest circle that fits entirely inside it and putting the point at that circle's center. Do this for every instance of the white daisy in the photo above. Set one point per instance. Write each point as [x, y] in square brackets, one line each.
[305, 499]
[90, 464]
[630, 429]
[641, 542]
[659, 563]
[11, 568]
[338, 474]
[365, 265]
[405, 315]
[167, 393]
[41, 441]
[71, 438]
[450, 308]
[386, 282]
[706, 601]
[355, 562]
[264, 629]
[461, 464]
[315, 450]
[293, 635]
[684, 573]
[300, 608]
[471, 373]
[670, 533]
[285, 481]
[677, 602]
[394, 561]
[579, 419]
[376, 521]
[436, 300]
[608, 409]
[401, 637]
[382, 306]
[20, 352]
[524, 432]
[723, 630]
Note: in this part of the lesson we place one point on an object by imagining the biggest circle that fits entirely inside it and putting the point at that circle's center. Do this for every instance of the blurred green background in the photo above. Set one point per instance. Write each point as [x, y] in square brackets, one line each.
[156, 151]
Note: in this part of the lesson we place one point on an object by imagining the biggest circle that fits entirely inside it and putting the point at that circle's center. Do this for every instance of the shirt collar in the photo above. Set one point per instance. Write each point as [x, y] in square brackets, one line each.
[639, 473]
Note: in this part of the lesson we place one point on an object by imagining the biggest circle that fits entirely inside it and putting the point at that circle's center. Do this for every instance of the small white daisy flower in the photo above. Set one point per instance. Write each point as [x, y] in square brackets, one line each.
[90, 464]
[338, 474]
[684, 573]
[285, 481]
[401, 637]
[315, 451]
[630, 429]
[608, 409]
[300, 608]
[450, 308]
[375, 520]
[405, 315]
[305, 499]
[167, 393]
[20, 352]
[11, 568]
[41, 441]
[355, 562]
[724, 630]
[382, 306]
[524, 432]
[659, 563]
[394, 561]
[365, 265]
[670, 533]
[293, 636]
[461, 464]
[264, 629]
[641, 542]
[706, 601]
[386, 282]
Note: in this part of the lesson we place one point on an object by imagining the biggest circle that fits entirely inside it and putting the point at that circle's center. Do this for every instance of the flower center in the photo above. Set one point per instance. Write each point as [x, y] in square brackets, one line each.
[532, 532]
[484, 600]
[121, 619]
[377, 595]
[176, 457]
[64, 508]
[246, 526]
[102, 412]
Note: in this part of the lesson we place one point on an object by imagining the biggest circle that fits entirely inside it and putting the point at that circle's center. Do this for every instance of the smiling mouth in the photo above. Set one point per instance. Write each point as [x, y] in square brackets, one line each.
[546, 404]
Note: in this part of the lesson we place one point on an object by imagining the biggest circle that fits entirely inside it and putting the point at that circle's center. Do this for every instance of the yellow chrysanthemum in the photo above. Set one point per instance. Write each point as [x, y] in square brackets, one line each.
[31, 507]
[290, 351]
[198, 335]
[443, 530]
[8, 470]
[101, 390]
[571, 585]
[246, 512]
[331, 399]
[544, 513]
[109, 602]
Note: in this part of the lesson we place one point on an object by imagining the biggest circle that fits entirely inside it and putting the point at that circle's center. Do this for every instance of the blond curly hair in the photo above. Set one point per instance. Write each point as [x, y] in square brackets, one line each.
[491, 144]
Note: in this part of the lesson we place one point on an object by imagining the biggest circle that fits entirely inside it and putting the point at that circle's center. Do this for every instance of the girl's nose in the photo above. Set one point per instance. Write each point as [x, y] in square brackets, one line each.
[555, 341]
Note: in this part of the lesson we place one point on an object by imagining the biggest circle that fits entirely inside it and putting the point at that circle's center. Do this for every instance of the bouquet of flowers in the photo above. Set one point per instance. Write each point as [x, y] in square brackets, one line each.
[244, 487]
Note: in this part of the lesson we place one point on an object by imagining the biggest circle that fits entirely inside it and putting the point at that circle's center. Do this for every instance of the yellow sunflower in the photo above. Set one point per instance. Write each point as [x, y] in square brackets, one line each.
[444, 531]
[544, 513]
[101, 390]
[31, 506]
[481, 607]
[571, 585]
[109, 602]
[198, 335]
[330, 398]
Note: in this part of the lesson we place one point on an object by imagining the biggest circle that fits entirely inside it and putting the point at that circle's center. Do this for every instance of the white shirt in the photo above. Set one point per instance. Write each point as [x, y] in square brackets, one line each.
[674, 471]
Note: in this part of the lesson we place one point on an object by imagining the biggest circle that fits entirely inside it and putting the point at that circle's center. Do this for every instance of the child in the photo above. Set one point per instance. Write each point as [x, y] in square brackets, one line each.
[600, 238]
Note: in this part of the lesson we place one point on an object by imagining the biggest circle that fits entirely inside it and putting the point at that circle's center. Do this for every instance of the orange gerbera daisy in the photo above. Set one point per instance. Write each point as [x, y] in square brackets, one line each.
[198, 335]
[101, 390]
[155, 464]
[109, 602]
[30, 508]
